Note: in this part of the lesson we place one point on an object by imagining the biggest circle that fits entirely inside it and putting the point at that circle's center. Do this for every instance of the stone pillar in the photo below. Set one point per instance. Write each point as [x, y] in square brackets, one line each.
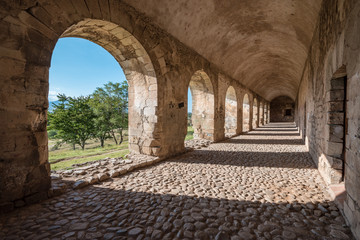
[24, 167]
[239, 123]
[251, 114]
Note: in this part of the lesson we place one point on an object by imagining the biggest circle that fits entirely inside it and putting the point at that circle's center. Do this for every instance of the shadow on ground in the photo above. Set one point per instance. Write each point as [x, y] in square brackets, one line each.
[100, 212]
[249, 159]
[265, 141]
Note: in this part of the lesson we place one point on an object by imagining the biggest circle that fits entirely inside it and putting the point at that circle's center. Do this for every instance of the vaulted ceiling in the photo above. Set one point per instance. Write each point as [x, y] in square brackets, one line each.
[261, 43]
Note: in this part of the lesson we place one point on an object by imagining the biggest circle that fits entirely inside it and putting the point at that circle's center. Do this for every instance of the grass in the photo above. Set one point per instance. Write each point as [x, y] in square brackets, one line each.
[92, 152]
[190, 133]
[66, 156]
[69, 153]
[68, 163]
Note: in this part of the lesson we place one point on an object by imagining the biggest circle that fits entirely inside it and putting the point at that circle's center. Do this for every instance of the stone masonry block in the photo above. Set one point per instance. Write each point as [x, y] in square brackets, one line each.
[352, 214]
[31, 21]
[81, 8]
[335, 176]
[336, 163]
[333, 149]
[335, 106]
[11, 67]
[94, 8]
[333, 138]
[335, 95]
[335, 118]
[105, 9]
[352, 183]
[336, 133]
[338, 83]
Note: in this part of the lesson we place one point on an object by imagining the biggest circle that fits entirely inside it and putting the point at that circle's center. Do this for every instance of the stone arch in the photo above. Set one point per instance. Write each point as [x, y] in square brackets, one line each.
[203, 106]
[255, 114]
[230, 112]
[246, 113]
[34, 30]
[261, 114]
[139, 72]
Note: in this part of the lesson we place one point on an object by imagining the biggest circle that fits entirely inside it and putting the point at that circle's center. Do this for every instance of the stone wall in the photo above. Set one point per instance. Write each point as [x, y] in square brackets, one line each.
[158, 67]
[282, 109]
[334, 58]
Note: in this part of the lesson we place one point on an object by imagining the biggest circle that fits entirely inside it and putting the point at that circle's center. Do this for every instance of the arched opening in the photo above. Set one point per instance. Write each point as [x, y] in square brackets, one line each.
[190, 128]
[246, 113]
[140, 75]
[38, 41]
[255, 114]
[230, 112]
[261, 116]
[101, 128]
[202, 114]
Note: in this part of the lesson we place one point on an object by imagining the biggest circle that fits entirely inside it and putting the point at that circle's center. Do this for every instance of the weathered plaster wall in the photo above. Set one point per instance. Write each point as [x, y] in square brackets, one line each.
[278, 108]
[335, 49]
[29, 31]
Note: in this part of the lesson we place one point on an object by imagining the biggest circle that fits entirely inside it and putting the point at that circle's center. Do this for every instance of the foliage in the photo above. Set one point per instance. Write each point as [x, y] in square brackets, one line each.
[189, 116]
[101, 115]
[52, 134]
[73, 118]
[110, 105]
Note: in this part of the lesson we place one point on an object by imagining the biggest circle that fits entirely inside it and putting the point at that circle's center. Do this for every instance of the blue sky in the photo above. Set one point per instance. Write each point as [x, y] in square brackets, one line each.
[79, 66]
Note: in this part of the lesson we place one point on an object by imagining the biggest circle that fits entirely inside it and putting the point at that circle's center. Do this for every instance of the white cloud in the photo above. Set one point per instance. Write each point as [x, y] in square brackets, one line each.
[53, 95]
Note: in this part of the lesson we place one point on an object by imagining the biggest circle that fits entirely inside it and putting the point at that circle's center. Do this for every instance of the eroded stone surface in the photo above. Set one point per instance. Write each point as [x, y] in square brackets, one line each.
[259, 185]
[99, 171]
[197, 143]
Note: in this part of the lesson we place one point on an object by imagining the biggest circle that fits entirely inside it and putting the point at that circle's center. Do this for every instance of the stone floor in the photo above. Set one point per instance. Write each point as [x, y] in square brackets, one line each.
[262, 185]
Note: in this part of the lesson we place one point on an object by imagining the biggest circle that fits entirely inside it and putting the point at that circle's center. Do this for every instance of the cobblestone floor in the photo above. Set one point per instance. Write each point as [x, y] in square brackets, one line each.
[262, 185]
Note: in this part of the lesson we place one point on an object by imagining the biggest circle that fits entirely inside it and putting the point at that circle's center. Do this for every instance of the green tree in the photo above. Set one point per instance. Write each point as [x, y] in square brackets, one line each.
[102, 119]
[110, 104]
[74, 119]
[189, 122]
